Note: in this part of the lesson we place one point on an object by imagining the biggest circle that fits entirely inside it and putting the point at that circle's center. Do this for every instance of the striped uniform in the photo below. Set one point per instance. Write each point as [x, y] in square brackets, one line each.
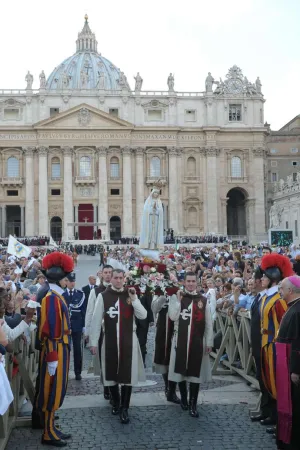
[272, 310]
[54, 335]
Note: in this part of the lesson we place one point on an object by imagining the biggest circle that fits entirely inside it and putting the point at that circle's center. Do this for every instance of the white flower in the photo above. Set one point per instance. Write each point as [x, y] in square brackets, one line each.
[153, 269]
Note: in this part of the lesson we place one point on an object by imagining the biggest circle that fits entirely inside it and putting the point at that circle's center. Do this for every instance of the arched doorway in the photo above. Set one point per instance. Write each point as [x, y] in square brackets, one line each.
[115, 227]
[56, 228]
[236, 213]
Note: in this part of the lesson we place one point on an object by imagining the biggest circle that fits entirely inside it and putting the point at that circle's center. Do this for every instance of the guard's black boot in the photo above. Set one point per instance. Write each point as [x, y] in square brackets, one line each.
[183, 394]
[171, 394]
[194, 391]
[125, 401]
[106, 393]
[165, 377]
[115, 399]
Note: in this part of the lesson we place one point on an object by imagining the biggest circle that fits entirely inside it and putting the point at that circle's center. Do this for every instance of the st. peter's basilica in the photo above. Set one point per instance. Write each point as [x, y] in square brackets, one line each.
[81, 153]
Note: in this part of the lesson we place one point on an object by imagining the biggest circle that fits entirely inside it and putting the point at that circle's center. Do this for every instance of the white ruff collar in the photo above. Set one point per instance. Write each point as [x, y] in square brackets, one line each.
[117, 290]
[190, 293]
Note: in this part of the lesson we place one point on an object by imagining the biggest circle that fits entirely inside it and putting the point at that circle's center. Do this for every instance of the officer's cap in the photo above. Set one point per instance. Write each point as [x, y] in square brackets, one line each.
[71, 276]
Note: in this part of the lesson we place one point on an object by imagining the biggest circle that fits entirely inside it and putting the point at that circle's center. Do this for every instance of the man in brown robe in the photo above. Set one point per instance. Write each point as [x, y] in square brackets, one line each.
[193, 337]
[120, 353]
[104, 283]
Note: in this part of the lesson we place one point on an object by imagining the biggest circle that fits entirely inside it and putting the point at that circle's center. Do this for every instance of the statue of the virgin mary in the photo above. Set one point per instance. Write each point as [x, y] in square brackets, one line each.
[152, 230]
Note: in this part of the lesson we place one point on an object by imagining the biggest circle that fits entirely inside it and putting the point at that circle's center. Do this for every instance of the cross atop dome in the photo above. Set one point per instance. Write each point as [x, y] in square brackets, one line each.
[86, 39]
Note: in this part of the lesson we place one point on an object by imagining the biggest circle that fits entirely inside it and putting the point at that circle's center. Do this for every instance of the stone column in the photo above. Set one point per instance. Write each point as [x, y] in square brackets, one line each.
[4, 234]
[29, 192]
[179, 197]
[259, 208]
[76, 228]
[22, 221]
[103, 192]
[173, 189]
[224, 215]
[43, 191]
[127, 230]
[212, 190]
[139, 186]
[250, 213]
[68, 192]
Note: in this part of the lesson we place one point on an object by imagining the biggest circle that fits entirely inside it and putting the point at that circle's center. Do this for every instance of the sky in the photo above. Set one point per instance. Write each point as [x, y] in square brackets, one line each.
[188, 38]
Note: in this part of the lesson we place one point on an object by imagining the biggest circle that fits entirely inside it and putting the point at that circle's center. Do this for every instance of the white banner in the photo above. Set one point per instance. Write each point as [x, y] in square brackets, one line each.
[17, 249]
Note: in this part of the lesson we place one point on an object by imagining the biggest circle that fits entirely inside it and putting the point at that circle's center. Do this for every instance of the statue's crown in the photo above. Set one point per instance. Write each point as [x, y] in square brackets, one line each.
[158, 184]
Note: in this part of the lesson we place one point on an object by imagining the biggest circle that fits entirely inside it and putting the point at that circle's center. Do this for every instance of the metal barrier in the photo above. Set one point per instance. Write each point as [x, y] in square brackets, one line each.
[21, 369]
[236, 343]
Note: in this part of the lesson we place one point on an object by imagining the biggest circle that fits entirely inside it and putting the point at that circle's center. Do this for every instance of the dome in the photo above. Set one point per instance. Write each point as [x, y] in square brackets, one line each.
[87, 69]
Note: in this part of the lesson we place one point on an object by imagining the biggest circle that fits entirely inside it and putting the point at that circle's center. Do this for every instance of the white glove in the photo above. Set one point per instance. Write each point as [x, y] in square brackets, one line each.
[52, 366]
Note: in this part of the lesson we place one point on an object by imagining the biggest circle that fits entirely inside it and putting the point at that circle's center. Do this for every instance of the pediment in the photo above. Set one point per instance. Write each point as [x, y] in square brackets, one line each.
[83, 116]
[11, 103]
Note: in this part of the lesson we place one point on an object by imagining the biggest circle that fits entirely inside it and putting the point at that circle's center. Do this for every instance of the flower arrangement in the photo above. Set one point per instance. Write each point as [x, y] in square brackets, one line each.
[152, 278]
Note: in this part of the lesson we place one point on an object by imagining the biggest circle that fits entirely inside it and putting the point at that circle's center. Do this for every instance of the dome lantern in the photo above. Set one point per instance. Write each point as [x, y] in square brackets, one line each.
[86, 39]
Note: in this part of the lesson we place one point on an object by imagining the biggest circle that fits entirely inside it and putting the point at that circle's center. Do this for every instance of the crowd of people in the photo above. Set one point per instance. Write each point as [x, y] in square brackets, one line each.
[182, 292]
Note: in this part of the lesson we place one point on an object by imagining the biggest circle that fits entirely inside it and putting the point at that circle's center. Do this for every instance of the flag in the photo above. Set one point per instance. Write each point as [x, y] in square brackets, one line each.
[17, 249]
[52, 242]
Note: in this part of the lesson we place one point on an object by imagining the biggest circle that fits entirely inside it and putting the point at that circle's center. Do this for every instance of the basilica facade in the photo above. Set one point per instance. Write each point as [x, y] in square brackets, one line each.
[80, 154]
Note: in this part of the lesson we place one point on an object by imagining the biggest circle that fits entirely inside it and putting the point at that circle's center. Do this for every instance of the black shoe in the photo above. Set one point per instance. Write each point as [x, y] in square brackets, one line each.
[125, 402]
[106, 393]
[271, 430]
[194, 391]
[268, 421]
[183, 395]
[59, 443]
[257, 418]
[65, 436]
[78, 377]
[171, 393]
[115, 399]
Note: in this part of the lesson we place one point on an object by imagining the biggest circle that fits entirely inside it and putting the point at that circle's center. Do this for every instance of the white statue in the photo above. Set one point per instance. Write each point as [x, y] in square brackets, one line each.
[122, 80]
[209, 82]
[84, 78]
[258, 85]
[29, 80]
[101, 80]
[289, 180]
[171, 82]
[281, 184]
[220, 89]
[274, 217]
[42, 80]
[138, 82]
[152, 230]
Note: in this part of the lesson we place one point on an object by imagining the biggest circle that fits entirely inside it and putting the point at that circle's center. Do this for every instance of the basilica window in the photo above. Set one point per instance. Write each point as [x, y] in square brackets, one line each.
[192, 216]
[55, 168]
[236, 167]
[191, 167]
[235, 113]
[114, 167]
[13, 167]
[85, 169]
[155, 167]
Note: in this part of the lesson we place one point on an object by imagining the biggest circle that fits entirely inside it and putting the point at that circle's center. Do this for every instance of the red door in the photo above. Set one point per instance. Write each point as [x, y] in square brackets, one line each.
[86, 215]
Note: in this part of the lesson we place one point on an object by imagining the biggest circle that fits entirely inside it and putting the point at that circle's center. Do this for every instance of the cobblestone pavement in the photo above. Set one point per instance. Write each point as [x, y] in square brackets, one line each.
[225, 427]
[220, 426]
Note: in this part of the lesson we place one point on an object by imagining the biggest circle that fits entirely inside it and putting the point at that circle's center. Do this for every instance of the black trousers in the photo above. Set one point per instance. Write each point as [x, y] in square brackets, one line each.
[77, 351]
[142, 327]
[268, 404]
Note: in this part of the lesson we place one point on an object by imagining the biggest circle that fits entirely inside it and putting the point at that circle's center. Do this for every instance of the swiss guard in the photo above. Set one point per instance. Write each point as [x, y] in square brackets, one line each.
[54, 332]
[77, 308]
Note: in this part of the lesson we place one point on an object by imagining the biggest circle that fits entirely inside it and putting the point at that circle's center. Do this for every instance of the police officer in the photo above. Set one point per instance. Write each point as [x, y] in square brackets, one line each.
[77, 309]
